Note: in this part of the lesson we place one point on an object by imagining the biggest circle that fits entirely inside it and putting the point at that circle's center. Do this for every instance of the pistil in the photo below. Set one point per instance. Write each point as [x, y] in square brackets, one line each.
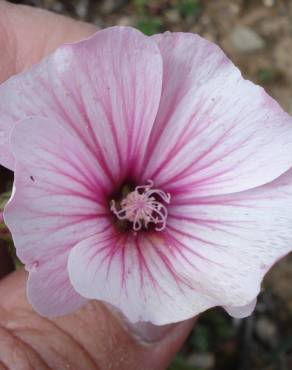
[143, 206]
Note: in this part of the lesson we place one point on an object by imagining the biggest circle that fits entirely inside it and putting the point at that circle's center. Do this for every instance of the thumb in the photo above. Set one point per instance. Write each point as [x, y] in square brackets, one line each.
[94, 337]
[28, 34]
[159, 344]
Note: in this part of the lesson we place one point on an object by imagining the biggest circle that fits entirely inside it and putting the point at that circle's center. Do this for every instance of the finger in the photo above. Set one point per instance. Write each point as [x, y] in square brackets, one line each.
[93, 337]
[28, 34]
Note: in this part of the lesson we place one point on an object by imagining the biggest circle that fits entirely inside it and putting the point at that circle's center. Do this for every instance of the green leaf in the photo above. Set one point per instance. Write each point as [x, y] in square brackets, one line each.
[4, 197]
[150, 26]
[179, 363]
[270, 74]
[200, 338]
[189, 8]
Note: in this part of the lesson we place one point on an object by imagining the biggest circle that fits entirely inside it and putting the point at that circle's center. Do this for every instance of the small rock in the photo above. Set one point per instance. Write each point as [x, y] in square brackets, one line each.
[289, 110]
[81, 8]
[245, 40]
[109, 6]
[266, 331]
[57, 7]
[126, 21]
[278, 281]
[202, 361]
[234, 8]
[172, 16]
[209, 36]
[269, 3]
[98, 22]
[283, 56]
[277, 27]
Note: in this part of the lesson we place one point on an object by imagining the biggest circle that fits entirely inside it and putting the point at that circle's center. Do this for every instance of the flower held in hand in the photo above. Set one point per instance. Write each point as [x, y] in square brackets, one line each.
[148, 174]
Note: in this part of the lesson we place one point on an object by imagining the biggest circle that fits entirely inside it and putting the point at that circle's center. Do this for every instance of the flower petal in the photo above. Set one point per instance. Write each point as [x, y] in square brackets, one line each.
[215, 133]
[136, 276]
[229, 242]
[243, 311]
[49, 289]
[56, 203]
[100, 88]
[213, 252]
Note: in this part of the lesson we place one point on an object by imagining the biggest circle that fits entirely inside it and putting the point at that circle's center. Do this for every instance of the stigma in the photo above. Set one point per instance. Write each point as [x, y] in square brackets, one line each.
[142, 207]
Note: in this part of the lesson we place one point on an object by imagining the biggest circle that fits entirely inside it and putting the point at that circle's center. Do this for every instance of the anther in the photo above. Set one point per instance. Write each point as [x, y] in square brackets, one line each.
[143, 206]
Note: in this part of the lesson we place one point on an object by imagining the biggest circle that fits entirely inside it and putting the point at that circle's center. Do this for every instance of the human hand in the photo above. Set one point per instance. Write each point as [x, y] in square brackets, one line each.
[93, 337]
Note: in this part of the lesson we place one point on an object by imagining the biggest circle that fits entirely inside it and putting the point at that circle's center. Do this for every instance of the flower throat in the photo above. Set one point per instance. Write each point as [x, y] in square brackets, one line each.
[142, 208]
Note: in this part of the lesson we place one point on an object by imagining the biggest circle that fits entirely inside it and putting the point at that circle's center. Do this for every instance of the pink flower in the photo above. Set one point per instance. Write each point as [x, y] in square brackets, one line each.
[148, 174]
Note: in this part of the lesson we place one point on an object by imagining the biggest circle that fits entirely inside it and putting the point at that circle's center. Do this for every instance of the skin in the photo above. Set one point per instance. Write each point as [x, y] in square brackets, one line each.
[94, 337]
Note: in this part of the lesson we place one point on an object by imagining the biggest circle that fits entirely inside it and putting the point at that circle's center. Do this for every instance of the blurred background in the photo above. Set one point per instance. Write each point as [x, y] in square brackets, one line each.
[257, 36]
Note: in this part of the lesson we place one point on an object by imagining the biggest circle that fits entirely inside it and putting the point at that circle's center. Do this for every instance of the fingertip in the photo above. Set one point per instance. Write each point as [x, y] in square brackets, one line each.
[28, 34]
[157, 345]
